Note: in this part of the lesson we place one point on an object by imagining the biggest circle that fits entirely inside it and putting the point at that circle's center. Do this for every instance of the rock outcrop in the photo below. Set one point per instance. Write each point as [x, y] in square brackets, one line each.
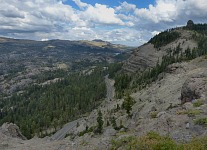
[190, 24]
[146, 56]
[12, 130]
[194, 88]
[158, 107]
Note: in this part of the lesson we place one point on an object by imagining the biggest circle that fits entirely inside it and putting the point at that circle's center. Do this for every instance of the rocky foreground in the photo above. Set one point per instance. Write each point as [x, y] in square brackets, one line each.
[172, 106]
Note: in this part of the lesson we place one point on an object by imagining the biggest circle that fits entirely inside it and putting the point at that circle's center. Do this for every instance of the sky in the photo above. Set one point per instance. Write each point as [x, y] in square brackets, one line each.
[128, 22]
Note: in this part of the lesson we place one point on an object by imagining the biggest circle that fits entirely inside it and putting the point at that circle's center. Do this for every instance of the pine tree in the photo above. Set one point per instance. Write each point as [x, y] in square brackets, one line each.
[113, 122]
[100, 122]
[128, 103]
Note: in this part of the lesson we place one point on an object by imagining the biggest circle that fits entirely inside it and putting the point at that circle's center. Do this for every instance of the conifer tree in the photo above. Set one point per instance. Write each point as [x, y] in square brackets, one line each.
[113, 122]
[100, 122]
[128, 103]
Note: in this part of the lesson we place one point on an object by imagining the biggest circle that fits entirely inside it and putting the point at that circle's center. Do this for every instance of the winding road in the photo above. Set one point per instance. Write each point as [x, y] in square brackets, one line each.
[110, 88]
[60, 134]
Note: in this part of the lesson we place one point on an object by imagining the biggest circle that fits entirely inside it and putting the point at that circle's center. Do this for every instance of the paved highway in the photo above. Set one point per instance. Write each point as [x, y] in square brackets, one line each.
[60, 134]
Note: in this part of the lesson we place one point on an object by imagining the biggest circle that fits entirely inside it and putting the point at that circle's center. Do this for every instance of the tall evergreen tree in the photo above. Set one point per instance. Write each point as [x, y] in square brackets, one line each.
[100, 122]
[128, 103]
[113, 122]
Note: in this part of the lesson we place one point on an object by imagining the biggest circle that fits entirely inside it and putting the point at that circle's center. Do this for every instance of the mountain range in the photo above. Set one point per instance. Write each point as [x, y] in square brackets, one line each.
[155, 98]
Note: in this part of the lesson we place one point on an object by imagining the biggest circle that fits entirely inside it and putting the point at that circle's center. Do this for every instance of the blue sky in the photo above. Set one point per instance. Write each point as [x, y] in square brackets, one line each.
[113, 3]
[129, 22]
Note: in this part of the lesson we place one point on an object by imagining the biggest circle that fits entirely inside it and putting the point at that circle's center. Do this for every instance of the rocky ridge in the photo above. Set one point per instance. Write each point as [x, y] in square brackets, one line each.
[158, 108]
[147, 56]
[172, 106]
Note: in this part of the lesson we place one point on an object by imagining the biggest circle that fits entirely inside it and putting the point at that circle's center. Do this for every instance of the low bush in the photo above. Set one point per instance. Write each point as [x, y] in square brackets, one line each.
[154, 141]
[201, 121]
[153, 114]
[193, 113]
[198, 103]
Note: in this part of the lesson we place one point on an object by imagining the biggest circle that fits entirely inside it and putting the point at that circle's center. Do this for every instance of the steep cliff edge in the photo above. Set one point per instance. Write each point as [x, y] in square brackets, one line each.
[147, 55]
[172, 105]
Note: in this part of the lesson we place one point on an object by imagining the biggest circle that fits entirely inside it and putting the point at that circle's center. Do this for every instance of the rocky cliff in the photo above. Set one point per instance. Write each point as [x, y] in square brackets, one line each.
[174, 105]
[158, 108]
[147, 56]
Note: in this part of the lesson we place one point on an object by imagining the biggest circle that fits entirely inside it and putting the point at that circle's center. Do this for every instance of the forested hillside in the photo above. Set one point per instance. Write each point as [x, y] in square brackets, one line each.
[156, 104]
[129, 82]
[21, 61]
[44, 107]
[164, 38]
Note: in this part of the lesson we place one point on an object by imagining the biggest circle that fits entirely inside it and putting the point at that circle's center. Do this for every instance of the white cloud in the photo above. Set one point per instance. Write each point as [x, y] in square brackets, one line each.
[126, 7]
[162, 11]
[126, 23]
[80, 4]
[173, 11]
[35, 15]
[101, 14]
[155, 33]
[44, 39]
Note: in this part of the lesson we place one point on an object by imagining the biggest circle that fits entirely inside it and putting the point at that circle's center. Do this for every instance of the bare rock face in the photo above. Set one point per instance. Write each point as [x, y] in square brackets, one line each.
[190, 24]
[12, 130]
[144, 57]
[194, 88]
[109, 132]
[147, 56]
[176, 68]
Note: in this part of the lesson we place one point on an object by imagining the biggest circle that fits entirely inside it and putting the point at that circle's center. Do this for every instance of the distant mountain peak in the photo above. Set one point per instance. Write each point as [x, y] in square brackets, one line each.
[98, 40]
[190, 23]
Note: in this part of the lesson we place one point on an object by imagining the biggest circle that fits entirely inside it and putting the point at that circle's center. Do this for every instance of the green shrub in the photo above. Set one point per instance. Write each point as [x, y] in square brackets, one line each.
[87, 130]
[195, 144]
[201, 121]
[153, 141]
[198, 103]
[154, 114]
[192, 113]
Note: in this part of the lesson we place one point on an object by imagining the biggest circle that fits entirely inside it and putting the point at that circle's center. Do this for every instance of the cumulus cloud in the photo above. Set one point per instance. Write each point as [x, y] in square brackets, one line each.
[161, 12]
[126, 7]
[173, 11]
[32, 16]
[101, 14]
[80, 4]
[125, 23]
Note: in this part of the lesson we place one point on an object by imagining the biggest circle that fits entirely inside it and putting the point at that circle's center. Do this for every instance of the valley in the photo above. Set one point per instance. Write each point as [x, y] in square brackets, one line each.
[151, 97]
[24, 62]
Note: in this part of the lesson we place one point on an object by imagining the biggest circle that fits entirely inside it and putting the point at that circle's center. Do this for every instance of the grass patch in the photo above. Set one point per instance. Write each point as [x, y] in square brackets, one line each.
[190, 113]
[87, 130]
[198, 103]
[201, 121]
[153, 141]
[195, 144]
[84, 143]
[181, 112]
[193, 113]
[154, 114]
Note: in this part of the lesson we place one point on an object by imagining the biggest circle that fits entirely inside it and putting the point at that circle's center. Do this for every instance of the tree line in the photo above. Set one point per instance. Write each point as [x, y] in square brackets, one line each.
[126, 83]
[40, 108]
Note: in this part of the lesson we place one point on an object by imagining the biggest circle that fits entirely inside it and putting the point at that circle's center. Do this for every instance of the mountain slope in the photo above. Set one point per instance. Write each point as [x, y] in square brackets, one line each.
[170, 99]
[158, 108]
[148, 55]
[21, 61]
